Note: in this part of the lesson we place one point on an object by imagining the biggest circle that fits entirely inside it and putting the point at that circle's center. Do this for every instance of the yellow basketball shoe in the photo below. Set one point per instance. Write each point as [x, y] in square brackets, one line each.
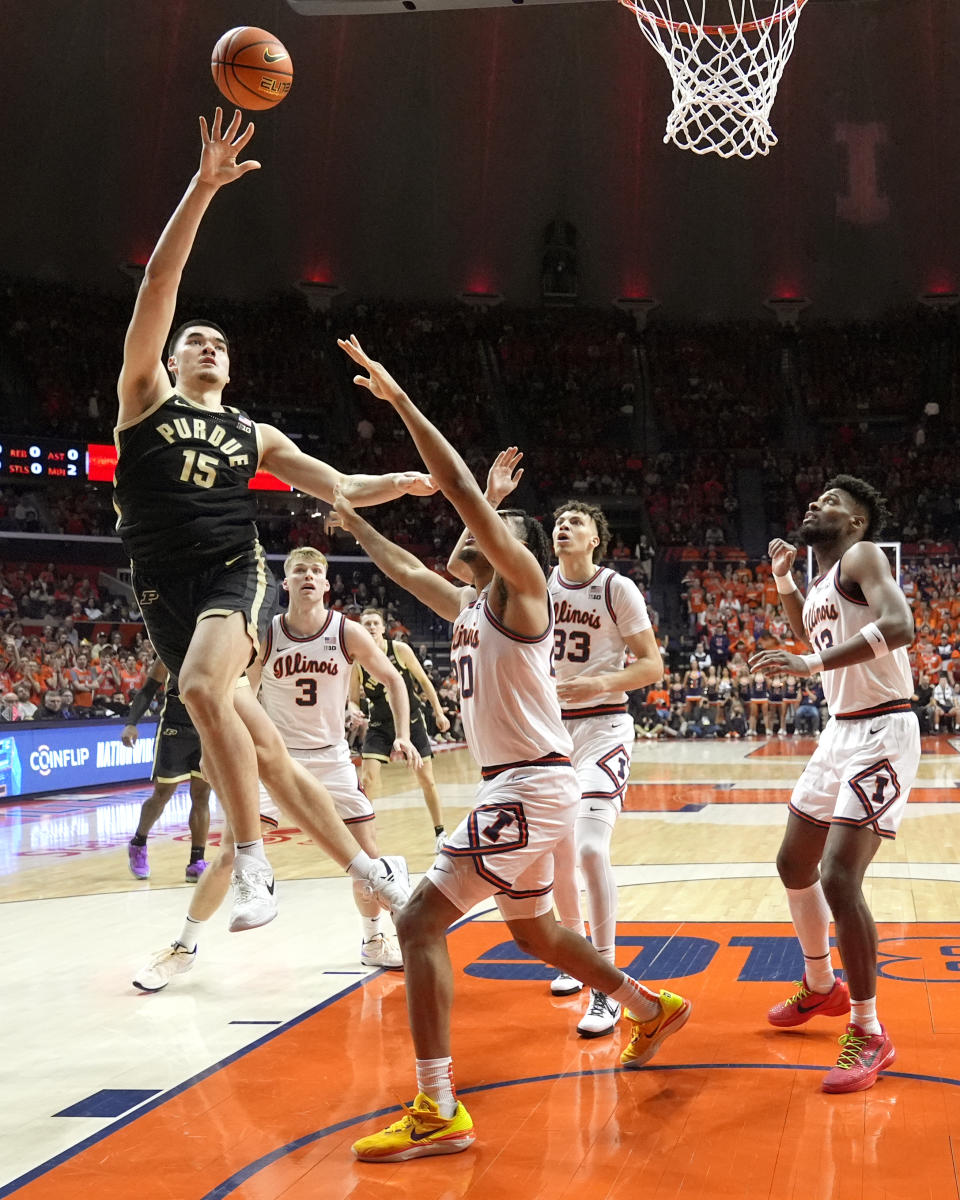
[419, 1132]
[648, 1036]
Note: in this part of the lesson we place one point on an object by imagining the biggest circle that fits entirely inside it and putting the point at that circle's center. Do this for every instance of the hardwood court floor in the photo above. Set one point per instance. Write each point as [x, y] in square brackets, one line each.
[251, 1076]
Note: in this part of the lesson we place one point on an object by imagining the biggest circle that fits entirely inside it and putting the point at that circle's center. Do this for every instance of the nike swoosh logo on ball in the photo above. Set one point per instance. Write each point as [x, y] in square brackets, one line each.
[271, 56]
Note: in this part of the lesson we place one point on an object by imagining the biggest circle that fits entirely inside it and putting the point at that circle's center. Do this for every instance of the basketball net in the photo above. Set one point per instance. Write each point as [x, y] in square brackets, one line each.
[725, 77]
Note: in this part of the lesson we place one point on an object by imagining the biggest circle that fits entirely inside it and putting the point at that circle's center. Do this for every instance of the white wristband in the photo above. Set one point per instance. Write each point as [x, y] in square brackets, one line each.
[786, 583]
[813, 662]
[875, 640]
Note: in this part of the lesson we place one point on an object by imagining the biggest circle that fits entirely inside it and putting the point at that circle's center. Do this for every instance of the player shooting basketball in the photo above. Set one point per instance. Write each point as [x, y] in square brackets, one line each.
[186, 518]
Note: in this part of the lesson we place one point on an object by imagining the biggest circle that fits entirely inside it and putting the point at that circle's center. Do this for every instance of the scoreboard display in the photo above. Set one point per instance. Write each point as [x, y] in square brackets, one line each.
[33, 458]
[40, 458]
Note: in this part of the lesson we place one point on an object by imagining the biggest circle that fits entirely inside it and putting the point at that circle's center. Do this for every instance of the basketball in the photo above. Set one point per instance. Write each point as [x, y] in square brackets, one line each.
[251, 68]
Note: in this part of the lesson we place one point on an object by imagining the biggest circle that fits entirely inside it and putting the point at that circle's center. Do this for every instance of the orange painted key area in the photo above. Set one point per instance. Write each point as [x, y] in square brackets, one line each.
[731, 1107]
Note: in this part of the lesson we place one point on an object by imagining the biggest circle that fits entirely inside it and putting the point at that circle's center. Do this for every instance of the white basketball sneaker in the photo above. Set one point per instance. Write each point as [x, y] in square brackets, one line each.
[254, 902]
[383, 952]
[601, 1016]
[170, 961]
[389, 880]
[565, 985]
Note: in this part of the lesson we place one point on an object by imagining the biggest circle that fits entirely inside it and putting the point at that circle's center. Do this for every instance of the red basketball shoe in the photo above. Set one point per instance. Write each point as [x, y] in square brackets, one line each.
[863, 1057]
[804, 1004]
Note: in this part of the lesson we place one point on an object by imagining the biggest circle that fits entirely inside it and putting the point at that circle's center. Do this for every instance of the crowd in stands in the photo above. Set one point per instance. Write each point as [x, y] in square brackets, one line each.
[731, 614]
[657, 426]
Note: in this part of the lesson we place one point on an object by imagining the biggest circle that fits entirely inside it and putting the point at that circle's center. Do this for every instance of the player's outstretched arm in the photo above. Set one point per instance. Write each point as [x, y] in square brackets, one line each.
[512, 561]
[282, 457]
[502, 479]
[143, 377]
[364, 650]
[402, 567]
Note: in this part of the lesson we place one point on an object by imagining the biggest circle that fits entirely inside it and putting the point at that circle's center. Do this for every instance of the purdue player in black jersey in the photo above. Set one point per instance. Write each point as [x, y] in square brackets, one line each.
[186, 518]
[176, 760]
[380, 733]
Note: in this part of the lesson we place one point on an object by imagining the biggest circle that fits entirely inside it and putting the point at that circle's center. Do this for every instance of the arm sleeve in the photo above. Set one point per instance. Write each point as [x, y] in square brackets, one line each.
[141, 701]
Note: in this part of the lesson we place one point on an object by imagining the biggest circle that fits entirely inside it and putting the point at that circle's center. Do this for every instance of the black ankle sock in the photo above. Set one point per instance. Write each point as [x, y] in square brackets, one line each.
[437, 830]
[196, 853]
[138, 839]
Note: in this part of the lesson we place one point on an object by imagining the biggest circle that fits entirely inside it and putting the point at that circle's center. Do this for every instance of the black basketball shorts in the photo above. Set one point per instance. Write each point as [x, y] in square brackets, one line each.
[176, 752]
[378, 740]
[173, 605]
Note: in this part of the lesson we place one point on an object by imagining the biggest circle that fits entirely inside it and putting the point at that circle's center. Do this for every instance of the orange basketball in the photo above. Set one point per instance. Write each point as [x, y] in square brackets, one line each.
[251, 68]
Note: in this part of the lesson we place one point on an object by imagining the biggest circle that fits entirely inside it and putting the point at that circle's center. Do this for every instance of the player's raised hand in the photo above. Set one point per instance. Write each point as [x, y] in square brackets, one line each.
[342, 512]
[782, 556]
[378, 379]
[407, 752]
[504, 475]
[218, 158]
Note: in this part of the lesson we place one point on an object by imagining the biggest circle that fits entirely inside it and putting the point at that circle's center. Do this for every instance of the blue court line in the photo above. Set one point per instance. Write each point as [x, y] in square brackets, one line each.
[65, 1155]
[242, 1176]
[254, 1022]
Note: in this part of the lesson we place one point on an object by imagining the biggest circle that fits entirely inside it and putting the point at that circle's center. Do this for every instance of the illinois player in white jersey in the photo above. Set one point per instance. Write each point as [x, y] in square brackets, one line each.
[854, 789]
[528, 797]
[303, 675]
[598, 616]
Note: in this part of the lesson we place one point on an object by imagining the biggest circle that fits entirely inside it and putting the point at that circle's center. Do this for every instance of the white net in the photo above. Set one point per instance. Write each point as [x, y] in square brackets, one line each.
[725, 76]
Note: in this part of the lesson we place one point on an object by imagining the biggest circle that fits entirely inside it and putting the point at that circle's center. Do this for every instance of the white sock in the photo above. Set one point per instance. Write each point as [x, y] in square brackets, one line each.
[254, 849]
[640, 1000]
[864, 1014]
[360, 866]
[810, 914]
[435, 1079]
[190, 934]
[371, 927]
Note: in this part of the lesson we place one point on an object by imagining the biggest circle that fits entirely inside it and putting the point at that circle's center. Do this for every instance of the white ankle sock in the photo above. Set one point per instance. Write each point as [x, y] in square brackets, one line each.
[254, 849]
[359, 867]
[371, 927]
[864, 1014]
[190, 934]
[640, 1000]
[435, 1079]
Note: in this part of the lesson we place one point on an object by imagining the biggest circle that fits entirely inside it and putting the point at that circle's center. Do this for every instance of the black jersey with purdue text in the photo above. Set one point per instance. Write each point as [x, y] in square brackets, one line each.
[378, 708]
[181, 484]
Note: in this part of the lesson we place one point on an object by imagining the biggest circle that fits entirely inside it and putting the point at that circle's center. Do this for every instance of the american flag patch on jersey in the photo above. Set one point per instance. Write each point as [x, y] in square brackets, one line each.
[245, 423]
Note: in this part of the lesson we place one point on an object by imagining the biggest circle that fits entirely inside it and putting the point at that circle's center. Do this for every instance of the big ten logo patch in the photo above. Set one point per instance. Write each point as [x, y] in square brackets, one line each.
[755, 956]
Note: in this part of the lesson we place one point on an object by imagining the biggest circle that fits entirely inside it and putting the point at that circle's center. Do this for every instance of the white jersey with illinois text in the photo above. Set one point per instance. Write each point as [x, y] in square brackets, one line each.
[305, 682]
[591, 622]
[834, 612]
[508, 694]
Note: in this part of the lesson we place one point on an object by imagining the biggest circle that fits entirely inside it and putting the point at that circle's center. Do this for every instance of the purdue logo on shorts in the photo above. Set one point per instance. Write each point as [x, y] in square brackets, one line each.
[148, 596]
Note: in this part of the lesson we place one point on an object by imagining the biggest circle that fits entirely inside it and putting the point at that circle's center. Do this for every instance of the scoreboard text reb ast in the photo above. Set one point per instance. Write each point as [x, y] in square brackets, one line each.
[26, 458]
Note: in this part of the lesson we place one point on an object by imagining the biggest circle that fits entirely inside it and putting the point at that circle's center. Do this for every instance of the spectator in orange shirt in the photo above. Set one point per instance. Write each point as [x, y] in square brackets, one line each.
[80, 680]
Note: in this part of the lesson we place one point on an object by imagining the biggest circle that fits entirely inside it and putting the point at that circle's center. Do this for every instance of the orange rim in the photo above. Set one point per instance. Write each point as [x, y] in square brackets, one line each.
[644, 14]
